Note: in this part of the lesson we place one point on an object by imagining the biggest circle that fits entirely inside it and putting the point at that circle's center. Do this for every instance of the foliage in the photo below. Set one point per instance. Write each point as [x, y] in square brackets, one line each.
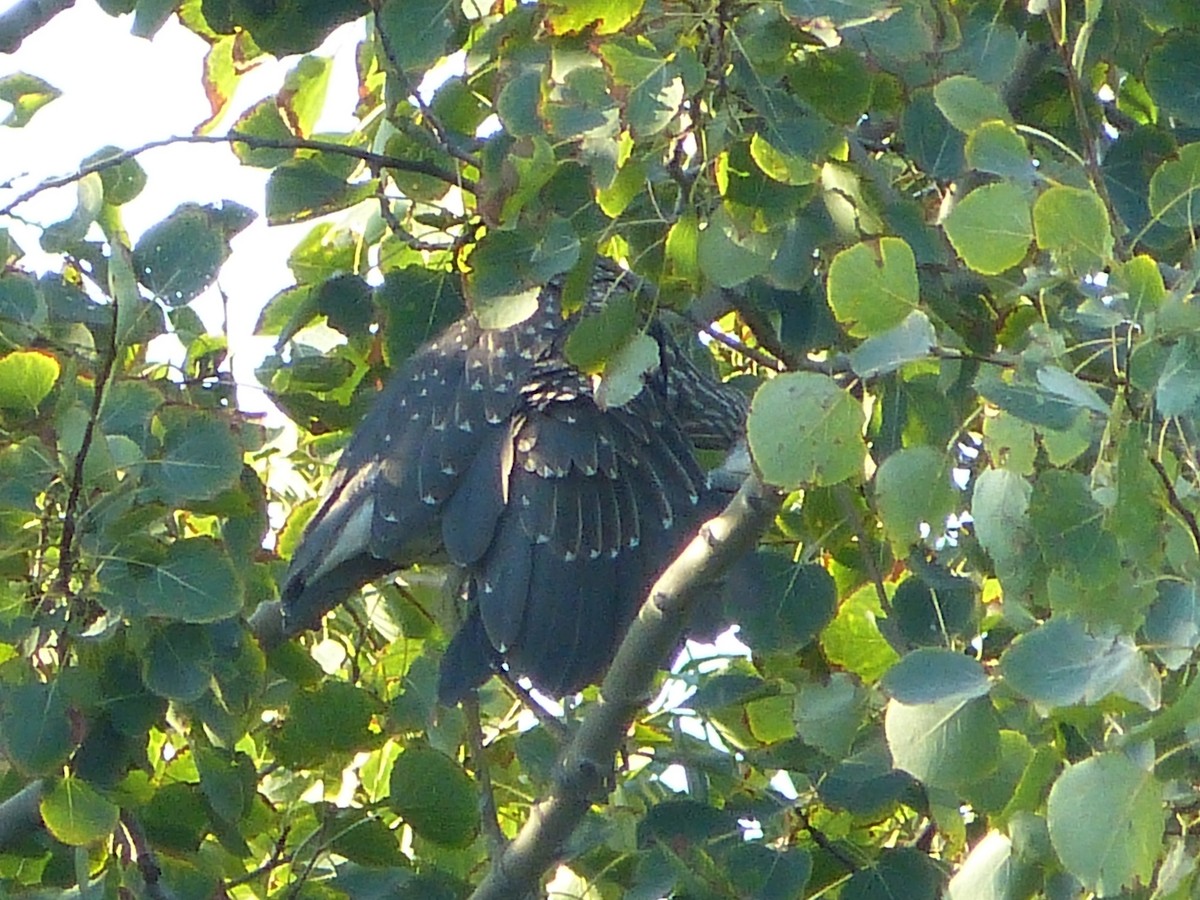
[964, 231]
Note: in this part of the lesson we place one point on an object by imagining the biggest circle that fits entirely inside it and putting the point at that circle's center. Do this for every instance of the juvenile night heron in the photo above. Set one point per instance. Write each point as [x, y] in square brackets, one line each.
[489, 450]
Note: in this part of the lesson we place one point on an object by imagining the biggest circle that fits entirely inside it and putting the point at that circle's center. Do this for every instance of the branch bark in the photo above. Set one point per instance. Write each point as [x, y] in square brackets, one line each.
[25, 18]
[588, 762]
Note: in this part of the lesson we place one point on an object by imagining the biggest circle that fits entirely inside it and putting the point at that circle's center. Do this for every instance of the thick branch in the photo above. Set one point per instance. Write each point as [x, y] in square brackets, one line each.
[589, 759]
[20, 814]
[25, 18]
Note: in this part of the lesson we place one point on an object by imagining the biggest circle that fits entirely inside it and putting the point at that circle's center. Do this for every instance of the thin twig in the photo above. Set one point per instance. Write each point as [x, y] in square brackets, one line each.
[487, 797]
[375, 160]
[824, 843]
[66, 547]
[1176, 503]
[147, 860]
[277, 858]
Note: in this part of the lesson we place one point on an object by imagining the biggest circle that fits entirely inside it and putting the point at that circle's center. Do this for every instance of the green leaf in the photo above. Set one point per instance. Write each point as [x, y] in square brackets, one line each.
[766, 873]
[26, 94]
[780, 165]
[873, 286]
[950, 742]
[913, 488]
[793, 603]
[1172, 71]
[62, 236]
[1031, 402]
[731, 254]
[836, 82]
[1173, 189]
[21, 303]
[968, 103]
[416, 31]
[180, 256]
[605, 16]
[996, 147]
[903, 872]
[122, 182]
[433, 794]
[295, 29]
[1143, 281]
[1000, 510]
[302, 97]
[499, 294]
[1106, 852]
[626, 371]
[649, 87]
[177, 662]
[1069, 526]
[853, 640]
[76, 813]
[176, 818]
[262, 120]
[990, 229]
[933, 676]
[200, 458]
[829, 714]
[417, 303]
[366, 840]
[911, 340]
[933, 143]
[228, 781]
[334, 718]
[992, 871]
[1178, 388]
[1073, 225]
[193, 582]
[302, 189]
[35, 727]
[1172, 628]
[26, 378]
[934, 608]
[1080, 394]
[805, 430]
[1060, 664]
[601, 334]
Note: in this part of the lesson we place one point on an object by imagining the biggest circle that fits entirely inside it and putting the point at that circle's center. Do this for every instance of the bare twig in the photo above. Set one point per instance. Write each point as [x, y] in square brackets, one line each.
[66, 551]
[147, 861]
[1176, 503]
[589, 759]
[375, 160]
[487, 797]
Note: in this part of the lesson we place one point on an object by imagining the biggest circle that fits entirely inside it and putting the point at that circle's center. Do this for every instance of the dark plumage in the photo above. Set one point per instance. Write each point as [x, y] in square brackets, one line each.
[488, 448]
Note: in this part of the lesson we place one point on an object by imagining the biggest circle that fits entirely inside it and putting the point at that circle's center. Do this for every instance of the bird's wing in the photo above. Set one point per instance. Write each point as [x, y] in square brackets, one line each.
[597, 503]
[441, 422]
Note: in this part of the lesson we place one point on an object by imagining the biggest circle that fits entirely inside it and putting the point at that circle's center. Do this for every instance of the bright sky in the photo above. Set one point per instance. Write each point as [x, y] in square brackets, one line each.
[126, 91]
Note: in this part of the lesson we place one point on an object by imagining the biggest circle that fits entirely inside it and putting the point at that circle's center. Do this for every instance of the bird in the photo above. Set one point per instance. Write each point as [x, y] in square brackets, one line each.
[489, 450]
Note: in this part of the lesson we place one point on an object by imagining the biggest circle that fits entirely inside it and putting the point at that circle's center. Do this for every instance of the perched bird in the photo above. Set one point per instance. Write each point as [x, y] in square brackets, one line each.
[489, 450]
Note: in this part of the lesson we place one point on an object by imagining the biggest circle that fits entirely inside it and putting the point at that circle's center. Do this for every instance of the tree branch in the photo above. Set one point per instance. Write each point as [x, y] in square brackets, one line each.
[374, 160]
[20, 814]
[25, 18]
[588, 762]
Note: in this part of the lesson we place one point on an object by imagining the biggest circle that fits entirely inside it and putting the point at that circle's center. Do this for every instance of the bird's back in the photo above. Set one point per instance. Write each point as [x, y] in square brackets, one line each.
[488, 449]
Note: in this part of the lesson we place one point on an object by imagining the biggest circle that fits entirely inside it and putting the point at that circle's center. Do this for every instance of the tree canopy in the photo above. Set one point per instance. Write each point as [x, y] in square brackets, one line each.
[950, 246]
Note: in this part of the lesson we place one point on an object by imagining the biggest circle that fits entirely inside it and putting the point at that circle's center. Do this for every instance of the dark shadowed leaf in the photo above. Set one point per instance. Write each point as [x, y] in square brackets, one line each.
[434, 796]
